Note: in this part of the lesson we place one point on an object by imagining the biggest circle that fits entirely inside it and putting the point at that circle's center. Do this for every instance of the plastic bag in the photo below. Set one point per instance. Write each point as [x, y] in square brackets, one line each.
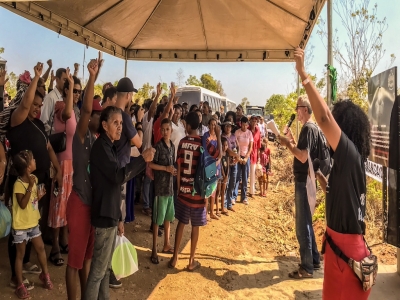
[311, 186]
[5, 220]
[124, 261]
[259, 170]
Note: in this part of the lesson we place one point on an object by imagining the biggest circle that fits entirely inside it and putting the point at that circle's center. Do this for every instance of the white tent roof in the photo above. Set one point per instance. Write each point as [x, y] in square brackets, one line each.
[181, 30]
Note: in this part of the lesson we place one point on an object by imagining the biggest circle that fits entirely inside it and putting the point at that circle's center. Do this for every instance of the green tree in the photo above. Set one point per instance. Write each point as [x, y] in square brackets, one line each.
[207, 81]
[1, 50]
[192, 80]
[273, 102]
[11, 86]
[98, 89]
[143, 93]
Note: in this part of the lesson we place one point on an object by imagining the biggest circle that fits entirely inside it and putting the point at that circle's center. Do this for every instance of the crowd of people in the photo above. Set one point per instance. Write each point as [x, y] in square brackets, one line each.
[75, 165]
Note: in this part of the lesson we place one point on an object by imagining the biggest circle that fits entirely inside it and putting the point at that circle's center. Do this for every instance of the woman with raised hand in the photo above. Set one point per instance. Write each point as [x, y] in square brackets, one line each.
[26, 132]
[347, 131]
[81, 233]
[64, 121]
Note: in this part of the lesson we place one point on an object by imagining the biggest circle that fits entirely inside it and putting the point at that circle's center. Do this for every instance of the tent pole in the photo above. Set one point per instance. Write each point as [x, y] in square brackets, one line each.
[126, 67]
[298, 96]
[330, 44]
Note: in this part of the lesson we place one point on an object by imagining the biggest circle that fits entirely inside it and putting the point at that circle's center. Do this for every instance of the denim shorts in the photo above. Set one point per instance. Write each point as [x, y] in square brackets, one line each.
[21, 235]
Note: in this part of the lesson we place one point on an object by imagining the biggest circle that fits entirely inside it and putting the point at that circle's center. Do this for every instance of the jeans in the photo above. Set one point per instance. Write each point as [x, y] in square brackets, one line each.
[309, 254]
[243, 175]
[148, 193]
[99, 275]
[230, 191]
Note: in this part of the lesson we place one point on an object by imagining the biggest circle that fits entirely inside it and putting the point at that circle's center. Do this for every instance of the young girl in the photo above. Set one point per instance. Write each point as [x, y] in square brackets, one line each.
[26, 217]
[265, 161]
[223, 181]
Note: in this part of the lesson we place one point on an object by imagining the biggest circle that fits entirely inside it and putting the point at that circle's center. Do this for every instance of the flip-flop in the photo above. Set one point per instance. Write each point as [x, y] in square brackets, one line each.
[300, 274]
[154, 260]
[57, 261]
[169, 251]
[33, 269]
[170, 264]
[316, 266]
[197, 266]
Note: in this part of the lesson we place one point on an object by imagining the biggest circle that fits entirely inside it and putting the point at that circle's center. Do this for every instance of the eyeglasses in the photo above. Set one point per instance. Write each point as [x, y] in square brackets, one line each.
[297, 107]
[75, 91]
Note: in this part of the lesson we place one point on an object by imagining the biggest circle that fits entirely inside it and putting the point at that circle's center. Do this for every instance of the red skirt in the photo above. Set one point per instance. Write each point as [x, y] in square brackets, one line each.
[340, 282]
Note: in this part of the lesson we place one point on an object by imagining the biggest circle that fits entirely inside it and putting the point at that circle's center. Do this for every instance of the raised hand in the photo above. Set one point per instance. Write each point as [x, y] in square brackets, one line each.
[76, 66]
[93, 67]
[69, 78]
[172, 88]
[38, 69]
[159, 89]
[100, 60]
[299, 59]
[140, 114]
[50, 63]
[3, 79]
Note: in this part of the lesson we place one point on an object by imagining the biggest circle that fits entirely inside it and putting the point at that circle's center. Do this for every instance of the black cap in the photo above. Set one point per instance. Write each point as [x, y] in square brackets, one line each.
[244, 120]
[239, 106]
[125, 85]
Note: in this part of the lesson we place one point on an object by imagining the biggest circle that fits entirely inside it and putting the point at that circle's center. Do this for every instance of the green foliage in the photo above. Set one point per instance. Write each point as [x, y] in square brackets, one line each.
[98, 89]
[144, 93]
[319, 213]
[11, 86]
[207, 81]
[1, 50]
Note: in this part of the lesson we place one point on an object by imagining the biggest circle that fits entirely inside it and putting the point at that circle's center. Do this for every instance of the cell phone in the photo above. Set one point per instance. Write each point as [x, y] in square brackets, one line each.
[55, 191]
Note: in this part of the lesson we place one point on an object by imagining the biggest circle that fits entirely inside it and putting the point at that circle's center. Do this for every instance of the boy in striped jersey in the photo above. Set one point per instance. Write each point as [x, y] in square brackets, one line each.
[191, 207]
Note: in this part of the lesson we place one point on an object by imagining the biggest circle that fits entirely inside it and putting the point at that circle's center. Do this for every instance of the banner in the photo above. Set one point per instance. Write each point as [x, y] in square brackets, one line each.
[374, 170]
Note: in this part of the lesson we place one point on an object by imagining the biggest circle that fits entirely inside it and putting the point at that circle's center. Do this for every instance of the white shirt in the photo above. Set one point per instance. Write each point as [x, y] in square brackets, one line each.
[49, 102]
[147, 127]
[262, 129]
[178, 133]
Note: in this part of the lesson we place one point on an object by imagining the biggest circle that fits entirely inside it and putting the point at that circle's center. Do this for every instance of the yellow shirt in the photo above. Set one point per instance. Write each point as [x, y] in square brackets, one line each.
[28, 217]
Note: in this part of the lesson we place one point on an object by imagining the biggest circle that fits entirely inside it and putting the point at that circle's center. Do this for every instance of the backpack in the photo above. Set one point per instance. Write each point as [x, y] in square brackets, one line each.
[322, 159]
[205, 180]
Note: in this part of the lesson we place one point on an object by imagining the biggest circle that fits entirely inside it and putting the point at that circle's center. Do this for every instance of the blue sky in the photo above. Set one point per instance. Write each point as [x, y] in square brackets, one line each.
[26, 43]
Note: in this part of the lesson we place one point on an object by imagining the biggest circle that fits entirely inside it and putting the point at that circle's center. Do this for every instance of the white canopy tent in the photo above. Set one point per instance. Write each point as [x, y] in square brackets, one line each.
[181, 30]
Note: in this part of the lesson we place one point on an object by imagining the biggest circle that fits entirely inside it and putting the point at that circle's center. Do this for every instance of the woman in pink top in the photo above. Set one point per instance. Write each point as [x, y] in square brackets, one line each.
[244, 139]
[64, 121]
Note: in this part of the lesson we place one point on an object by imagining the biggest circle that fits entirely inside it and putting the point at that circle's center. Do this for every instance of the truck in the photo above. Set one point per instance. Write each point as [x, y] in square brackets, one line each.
[255, 110]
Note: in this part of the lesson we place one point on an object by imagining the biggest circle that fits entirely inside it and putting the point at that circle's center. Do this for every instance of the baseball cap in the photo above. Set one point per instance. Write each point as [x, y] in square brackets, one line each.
[244, 120]
[239, 106]
[125, 85]
[96, 105]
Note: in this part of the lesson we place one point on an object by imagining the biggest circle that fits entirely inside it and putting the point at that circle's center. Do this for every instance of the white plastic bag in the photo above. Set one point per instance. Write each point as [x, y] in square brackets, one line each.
[124, 261]
[259, 170]
[311, 186]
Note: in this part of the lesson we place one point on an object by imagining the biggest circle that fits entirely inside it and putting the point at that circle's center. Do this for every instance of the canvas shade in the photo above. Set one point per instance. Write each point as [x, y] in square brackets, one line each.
[181, 30]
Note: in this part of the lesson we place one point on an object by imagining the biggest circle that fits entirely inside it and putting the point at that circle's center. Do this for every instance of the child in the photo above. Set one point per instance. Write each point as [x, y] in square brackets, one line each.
[265, 161]
[223, 181]
[190, 207]
[163, 207]
[26, 217]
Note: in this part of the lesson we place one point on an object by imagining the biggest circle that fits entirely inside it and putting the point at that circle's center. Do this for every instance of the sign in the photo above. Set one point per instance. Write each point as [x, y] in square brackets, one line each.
[374, 170]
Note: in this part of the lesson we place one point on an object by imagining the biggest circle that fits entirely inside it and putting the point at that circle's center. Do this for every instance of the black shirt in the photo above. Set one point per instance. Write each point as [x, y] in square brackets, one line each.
[163, 181]
[346, 194]
[30, 135]
[308, 139]
[107, 177]
[124, 143]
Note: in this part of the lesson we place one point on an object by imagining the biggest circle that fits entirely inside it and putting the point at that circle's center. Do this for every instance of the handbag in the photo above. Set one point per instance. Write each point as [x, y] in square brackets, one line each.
[58, 140]
[365, 270]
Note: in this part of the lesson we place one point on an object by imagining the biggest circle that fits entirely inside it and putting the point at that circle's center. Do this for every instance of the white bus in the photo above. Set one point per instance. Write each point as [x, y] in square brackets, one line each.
[194, 94]
[228, 105]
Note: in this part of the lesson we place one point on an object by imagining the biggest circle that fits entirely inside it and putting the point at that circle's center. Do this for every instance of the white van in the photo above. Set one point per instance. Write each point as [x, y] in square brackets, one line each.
[194, 94]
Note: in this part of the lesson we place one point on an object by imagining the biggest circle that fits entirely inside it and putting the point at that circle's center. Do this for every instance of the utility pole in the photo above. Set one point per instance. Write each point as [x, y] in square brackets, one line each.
[330, 53]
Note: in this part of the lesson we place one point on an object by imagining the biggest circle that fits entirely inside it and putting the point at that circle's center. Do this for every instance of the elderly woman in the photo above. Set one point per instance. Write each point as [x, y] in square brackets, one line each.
[26, 132]
[347, 131]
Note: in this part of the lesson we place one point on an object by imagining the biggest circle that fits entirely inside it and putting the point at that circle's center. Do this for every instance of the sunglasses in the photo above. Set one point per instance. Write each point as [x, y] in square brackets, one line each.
[297, 107]
[75, 91]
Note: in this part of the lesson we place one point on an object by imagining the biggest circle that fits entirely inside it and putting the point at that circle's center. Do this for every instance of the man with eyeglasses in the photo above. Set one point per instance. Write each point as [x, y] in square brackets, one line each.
[307, 143]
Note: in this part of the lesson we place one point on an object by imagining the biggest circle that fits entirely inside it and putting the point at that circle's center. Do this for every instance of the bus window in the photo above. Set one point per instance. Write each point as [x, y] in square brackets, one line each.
[191, 97]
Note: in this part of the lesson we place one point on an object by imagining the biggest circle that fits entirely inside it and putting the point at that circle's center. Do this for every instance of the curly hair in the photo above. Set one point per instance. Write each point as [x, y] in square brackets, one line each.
[355, 124]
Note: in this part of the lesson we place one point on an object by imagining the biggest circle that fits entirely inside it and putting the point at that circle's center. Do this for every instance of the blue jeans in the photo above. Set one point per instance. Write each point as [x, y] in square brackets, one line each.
[309, 254]
[230, 191]
[147, 192]
[99, 276]
[242, 175]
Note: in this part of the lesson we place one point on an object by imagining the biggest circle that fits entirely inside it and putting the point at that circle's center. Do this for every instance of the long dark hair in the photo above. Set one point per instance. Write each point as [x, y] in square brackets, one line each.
[355, 124]
[105, 116]
[66, 84]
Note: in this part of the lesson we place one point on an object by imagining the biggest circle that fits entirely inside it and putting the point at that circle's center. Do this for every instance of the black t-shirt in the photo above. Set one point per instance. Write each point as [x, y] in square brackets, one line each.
[346, 194]
[31, 135]
[164, 156]
[308, 139]
[124, 143]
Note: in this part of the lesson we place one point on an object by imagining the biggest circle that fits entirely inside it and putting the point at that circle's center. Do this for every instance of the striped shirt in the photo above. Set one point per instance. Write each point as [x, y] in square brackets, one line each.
[188, 157]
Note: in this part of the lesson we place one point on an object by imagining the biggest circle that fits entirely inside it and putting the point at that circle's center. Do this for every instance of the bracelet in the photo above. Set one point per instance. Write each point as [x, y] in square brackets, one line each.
[29, 191]
[306, 81]
[138, 123]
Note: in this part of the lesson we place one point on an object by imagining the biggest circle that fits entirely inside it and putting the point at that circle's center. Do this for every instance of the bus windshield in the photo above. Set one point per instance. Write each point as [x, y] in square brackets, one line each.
[254, 111]
[190, 97]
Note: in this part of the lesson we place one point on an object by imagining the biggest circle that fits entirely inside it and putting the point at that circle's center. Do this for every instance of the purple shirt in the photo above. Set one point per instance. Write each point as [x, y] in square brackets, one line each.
[232, 143]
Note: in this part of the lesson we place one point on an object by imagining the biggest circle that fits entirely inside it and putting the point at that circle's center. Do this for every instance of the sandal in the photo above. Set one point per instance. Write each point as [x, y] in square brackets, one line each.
[154, 260]
[300, 274]
[57, 261]
[169, 251]
[197, 266]
[316, 266]
[33, 269]
[64, 249]
[45, 278]
[28, 285]
[170, 264]
[22, 292]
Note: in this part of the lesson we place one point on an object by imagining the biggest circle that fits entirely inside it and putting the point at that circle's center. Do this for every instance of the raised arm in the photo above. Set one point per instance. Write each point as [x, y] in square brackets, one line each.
[46, 74]
[87, 106]
[76, 69]
[69, 102]
[21, 113]
[170, 102]
[322, 114]
[51, 84]
[153, 106]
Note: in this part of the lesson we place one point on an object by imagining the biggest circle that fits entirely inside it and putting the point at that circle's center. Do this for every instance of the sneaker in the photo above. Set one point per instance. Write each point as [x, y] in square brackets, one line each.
[114, 283]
